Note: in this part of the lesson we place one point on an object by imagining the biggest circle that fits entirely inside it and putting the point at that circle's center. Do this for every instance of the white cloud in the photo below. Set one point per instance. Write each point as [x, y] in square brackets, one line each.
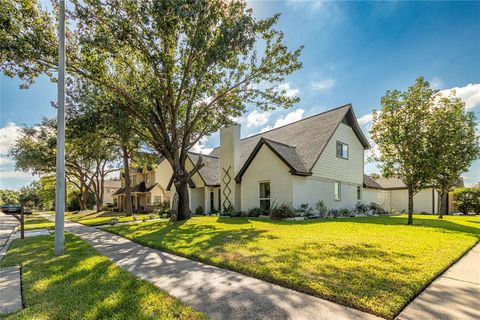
[288, 90]
[365, 119]
[8, 135]
[323, 85]
[257, 119]
[289, 118]
[200, 147]
[311, 6]
[470, 94]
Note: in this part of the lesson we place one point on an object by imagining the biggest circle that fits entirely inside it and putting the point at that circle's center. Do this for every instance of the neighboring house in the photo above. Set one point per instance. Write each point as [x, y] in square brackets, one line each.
[109, 188]
[147, 187]
[317, 158]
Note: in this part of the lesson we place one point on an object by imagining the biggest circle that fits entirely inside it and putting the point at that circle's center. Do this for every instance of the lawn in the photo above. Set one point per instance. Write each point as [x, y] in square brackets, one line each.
[94, 218]
[84, 284]
[36, 222]
[375, 264]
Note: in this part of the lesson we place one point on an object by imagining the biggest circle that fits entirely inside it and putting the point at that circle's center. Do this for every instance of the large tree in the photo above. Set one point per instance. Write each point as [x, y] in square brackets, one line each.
[453, 144]
[184, 68]
[400, 129]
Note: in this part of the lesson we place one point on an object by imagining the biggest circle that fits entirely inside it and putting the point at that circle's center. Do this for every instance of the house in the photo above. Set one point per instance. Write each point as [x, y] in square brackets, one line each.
[147, 187]
[317, 158]
[109, 188]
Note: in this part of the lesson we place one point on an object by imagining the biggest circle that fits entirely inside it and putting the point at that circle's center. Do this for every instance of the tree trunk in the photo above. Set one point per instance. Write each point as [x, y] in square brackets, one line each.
[442, 208]
[410, 205]
[183, 211]
[128, 193]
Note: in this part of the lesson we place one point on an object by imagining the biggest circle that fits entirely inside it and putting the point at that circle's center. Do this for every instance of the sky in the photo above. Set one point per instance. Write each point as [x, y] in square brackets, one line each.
[354, 52]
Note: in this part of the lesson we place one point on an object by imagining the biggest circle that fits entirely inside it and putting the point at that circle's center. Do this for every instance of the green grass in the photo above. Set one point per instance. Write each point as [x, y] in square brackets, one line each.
[36, 222]
[375, 264]
[83, 284]
[93, 218]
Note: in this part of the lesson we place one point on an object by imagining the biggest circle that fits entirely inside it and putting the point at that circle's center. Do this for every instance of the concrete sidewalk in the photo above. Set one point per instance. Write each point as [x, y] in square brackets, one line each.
[219, 293]
[453, 295]
[7, 224]
[10, 290]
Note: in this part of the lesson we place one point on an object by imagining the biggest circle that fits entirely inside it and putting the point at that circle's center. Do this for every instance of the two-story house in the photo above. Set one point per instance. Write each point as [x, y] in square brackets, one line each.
[317, 158]
[147, 187]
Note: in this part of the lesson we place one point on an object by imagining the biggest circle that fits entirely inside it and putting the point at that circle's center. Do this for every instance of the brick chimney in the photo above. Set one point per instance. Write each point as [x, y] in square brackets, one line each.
[229, 167]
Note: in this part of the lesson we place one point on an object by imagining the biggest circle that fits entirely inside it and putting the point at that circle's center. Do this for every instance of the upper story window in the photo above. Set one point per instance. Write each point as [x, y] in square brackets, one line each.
[147, 178]
[133, 179]
[337, 192]
[342, 150]
[264, 195]
[359, 193]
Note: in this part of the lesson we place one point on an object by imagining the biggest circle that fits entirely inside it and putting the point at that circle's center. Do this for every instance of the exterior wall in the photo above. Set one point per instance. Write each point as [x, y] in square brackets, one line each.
[313, 189]
[109, 188]
[163, 174]
[422, 201]
[266, 167]
[344, 170]
[196, 198]
[382, 197]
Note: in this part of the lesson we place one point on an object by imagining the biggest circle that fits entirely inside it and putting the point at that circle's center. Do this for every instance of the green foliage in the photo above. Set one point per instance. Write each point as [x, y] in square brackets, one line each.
[9, 197]
[376, 264]
[344, 212]
[467, 200]
[182, 77]
[83, 284]
[256, 212]
[282, 211]
[199, 211]
[361, 207]
[321, 208]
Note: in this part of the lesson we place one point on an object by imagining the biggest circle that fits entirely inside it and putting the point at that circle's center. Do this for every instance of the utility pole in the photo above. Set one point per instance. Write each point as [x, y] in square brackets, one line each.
[60, 183]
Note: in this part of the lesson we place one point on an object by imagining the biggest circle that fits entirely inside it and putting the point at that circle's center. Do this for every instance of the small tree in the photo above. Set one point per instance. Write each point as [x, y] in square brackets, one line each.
[453, 144]
[400, 129]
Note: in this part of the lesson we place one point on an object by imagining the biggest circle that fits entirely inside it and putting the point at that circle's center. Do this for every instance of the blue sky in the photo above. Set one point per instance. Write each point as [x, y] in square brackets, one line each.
[354, 52]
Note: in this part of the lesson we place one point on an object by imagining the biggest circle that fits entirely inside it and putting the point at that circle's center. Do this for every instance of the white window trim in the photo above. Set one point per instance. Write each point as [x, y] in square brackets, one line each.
[339, 190]
[270, 196]
[343, 144]
[361, 193]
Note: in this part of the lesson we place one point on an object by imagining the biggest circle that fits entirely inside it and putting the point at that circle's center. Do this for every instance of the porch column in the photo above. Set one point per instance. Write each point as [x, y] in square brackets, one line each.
[206, 200]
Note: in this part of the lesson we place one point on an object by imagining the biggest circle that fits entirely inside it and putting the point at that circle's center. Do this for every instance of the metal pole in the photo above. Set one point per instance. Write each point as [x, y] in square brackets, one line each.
[60, 183]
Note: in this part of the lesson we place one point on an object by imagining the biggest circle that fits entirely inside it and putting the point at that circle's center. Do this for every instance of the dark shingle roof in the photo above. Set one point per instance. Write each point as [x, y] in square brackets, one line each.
[309, 136]
[288, 154]
[368, 182]
[209, 172]
[137, 188]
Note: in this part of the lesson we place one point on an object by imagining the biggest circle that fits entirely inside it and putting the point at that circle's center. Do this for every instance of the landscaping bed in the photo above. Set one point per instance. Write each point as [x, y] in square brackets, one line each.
[84, 284]
[375, 264]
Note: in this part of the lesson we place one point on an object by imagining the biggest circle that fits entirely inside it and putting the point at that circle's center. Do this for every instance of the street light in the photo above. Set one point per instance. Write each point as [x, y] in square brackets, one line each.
[60, 164]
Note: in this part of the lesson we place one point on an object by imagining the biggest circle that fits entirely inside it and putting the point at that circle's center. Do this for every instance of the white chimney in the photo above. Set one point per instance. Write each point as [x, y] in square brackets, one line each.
[229, 167]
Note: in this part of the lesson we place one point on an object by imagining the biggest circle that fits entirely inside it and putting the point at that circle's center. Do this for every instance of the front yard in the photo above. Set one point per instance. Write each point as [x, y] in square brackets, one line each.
[84, 284]
[93, 218]
[376, 264]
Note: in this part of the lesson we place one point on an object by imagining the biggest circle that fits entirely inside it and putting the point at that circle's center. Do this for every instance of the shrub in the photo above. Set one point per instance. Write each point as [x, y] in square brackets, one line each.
[231, 212]
[114, 221]
[213, 212]
[151, 216]
[344, 212]
[333, 213]
[255, 212]
[321, 208]
[282, 211]
[199, 211]
[304, 210]
[361, 207]
[467, 200]
[373, 206]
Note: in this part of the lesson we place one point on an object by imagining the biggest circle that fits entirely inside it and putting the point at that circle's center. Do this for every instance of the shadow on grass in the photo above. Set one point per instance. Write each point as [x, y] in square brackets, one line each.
[82, 284]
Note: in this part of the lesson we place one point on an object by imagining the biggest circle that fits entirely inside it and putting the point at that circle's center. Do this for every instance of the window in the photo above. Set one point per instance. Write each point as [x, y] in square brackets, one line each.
[342, 150]
[265, 195]
[133, 180]
[147, 178]
[359, 193]
[337, 191]
[158, 199]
